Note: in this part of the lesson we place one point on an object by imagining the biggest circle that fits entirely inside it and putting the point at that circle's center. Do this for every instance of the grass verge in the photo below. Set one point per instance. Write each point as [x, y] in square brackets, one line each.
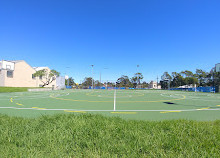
[15, 89]
[68, 135]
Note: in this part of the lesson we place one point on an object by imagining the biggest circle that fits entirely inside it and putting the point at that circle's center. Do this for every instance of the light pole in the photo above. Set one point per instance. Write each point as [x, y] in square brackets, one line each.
[92, 77]
[138, 75]
[68, 83]
[101, 75]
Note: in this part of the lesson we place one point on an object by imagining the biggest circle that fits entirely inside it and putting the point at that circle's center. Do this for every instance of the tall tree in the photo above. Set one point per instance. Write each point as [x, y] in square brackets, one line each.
[87, 82]
[123, 81]
[139, 77]
[98, 83]
[71, 81]
[145, 84]
[48, 76]
[134, 82]
[201, 75]
[165, 82]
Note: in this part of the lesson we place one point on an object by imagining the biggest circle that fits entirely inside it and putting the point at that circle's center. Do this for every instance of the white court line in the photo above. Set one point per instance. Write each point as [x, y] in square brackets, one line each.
[107, 110]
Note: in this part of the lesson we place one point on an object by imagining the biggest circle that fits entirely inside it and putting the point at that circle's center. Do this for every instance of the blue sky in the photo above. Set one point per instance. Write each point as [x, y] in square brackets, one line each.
[158, 35]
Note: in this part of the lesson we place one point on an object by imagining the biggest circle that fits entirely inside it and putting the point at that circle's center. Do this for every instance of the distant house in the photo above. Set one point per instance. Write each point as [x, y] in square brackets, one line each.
[20, 74]
[154, 85]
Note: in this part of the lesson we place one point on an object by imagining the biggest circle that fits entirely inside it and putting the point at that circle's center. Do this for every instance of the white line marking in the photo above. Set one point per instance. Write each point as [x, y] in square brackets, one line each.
[106, 110]
[115, 100]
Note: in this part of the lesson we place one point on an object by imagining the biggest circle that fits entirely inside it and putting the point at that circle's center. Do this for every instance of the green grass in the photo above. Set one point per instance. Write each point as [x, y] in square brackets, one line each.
[86, 135]
[15, 89]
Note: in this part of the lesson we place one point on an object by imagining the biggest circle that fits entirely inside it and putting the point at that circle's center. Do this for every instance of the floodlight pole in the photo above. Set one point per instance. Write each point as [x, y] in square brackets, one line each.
[100, 78]
[138, 76]
[92, 77]
[68, 81]
[213, 78]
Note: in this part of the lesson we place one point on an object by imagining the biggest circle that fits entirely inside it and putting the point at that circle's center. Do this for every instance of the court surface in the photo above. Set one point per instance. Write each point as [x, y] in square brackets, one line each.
[129, 104]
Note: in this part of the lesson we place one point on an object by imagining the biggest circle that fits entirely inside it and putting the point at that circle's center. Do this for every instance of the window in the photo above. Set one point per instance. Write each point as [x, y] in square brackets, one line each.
[40, 77]
[10, 74]
[33, 77]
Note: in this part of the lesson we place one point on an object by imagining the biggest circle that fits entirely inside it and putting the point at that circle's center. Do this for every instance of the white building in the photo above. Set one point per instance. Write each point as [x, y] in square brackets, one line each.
[154, 85]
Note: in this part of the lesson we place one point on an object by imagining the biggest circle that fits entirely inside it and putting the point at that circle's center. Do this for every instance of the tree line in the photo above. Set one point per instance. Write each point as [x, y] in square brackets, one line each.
[200, 78]
[123, 81]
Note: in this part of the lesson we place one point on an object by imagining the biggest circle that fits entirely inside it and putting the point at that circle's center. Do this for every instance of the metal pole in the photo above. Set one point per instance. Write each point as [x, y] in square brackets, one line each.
[213, 76]
[107, 84]
[68, 77]
[68, 82]
[100, 78]
[92, 77]
[138, 76]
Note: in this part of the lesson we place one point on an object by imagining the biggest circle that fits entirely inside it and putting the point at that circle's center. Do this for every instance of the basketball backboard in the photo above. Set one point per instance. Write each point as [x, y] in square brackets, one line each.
[7, 65]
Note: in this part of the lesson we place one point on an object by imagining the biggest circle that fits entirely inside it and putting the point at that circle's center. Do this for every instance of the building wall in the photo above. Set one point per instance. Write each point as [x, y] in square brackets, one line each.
[22, 76]
[2, 77]
[60, 82]
[153, 85]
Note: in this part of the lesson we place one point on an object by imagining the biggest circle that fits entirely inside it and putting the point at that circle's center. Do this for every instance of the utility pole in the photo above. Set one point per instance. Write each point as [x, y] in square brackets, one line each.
[68, 81]
[92, 77]
[100, 78]
[138, 76]
[213, 78]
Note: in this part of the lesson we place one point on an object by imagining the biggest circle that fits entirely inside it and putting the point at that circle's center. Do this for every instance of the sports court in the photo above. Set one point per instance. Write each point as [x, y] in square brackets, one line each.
[128, 104]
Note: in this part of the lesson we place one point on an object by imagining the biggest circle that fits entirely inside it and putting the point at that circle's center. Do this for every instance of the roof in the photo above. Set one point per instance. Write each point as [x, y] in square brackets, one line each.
[16, 61]
[39, 68]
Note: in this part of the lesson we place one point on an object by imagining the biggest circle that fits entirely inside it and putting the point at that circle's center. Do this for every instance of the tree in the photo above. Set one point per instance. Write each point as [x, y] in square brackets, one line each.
[145, 84]
[134, 82]
[71, 82]
[201, 75]
[165, 82]
[139, 77]
[87, 82]
[166, 76]
[48, 75]
[124, 81]
[98, 83]
[178, 80]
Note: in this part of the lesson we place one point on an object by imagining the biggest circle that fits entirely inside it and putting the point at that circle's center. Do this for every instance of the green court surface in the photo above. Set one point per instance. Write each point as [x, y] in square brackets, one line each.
[129, 104]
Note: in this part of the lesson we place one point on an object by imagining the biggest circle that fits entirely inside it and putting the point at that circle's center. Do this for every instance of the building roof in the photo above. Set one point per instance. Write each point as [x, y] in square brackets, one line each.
[16, 61]
[39, 68]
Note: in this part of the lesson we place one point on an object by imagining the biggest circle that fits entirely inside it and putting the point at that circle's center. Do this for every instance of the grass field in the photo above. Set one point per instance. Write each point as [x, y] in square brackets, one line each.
[13, 89]
[89, 135]
[130, 104]
[72, 123]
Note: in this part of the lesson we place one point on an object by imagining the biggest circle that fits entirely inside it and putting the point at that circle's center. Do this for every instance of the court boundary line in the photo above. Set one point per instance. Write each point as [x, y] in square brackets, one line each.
[44, 109]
